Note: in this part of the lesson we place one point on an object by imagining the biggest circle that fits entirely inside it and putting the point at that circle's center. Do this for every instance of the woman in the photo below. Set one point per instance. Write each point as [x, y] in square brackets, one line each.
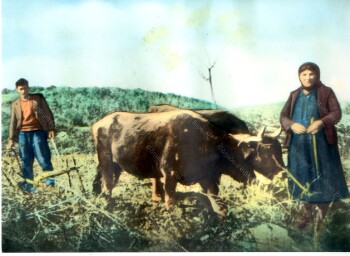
[309, 117]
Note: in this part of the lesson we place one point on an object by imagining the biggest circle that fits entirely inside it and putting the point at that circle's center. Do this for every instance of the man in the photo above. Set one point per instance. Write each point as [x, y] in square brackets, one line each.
[31, 124]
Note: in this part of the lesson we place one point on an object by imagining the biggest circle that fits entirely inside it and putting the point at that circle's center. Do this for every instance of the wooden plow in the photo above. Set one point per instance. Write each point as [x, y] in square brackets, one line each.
[38, 181]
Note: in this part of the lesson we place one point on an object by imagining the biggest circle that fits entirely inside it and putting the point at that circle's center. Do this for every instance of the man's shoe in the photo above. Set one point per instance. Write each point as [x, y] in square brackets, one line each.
[26, 187]
[50, 182]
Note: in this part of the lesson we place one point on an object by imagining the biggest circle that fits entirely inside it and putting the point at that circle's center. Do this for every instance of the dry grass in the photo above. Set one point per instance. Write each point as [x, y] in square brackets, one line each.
[69, 220]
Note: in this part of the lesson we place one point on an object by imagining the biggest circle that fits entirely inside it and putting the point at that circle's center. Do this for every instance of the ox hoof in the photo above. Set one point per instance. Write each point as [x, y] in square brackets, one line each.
[222, 214]
[106, 196]
[221, 211]
[169, 205]
[156, 197]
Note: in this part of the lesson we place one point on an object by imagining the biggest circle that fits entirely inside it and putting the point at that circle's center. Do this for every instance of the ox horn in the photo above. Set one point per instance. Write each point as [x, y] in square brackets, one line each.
[276, 133]
[261, 132]
[245, 138]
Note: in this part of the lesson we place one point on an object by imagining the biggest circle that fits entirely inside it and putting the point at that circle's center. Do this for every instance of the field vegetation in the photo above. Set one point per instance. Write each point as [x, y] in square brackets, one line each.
[261, 216]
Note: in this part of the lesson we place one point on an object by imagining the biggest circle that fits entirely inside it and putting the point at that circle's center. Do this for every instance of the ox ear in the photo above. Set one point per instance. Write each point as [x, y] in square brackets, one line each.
[275, 134]
[261, 132]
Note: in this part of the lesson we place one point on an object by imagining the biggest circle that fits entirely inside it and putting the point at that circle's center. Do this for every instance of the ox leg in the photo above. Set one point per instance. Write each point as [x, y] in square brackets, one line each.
[104, 180]
[106, 170]
[169, 191]
[110, 177]
[108, 173]
[156, 189]
[211, 188]
[96, 185]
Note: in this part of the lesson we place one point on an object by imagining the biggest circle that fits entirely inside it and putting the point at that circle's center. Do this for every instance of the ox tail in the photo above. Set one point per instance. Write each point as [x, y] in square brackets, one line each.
[105, 178]
[97, 184]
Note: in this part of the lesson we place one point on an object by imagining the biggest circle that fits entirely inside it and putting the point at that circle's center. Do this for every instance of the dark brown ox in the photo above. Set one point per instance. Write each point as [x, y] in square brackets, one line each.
[224, 120]
[180, 146]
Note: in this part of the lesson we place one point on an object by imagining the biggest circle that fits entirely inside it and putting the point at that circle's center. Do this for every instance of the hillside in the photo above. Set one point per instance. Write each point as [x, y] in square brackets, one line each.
[76, 109]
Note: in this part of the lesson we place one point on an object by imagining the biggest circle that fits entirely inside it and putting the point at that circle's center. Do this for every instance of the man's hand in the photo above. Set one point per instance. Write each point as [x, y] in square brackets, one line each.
[10, 145]
[298, 128]
[51, 134]
[315, 127]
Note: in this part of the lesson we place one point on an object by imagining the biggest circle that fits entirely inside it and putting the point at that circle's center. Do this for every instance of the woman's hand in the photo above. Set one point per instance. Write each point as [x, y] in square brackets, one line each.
[315, 127]
[298, 128]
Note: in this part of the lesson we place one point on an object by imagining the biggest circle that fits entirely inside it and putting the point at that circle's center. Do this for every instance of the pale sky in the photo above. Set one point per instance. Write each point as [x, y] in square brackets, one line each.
[257, 46]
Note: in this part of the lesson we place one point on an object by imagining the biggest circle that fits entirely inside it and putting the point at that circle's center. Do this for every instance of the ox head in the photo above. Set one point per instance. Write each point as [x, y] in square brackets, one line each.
[263, 152]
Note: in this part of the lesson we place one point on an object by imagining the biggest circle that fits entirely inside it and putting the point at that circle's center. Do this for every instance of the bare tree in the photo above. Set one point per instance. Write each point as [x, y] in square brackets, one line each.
[209, 78]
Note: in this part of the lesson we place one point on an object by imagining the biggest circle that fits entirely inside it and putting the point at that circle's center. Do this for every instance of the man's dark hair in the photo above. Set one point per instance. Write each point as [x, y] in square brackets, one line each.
[22, 82]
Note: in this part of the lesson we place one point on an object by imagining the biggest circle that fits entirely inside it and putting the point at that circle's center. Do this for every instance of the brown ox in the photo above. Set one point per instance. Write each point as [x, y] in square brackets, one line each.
[180, 146]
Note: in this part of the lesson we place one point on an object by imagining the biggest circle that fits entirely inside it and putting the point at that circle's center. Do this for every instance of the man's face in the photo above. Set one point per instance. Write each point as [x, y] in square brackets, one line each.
[308, 78]
[23, 91]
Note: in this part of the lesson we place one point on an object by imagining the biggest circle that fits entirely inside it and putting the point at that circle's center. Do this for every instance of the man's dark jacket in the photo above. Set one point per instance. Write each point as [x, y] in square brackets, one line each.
[42, 113]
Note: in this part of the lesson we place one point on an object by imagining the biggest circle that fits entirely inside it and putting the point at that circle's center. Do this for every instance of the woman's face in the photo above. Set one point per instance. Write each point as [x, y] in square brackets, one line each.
[308, 78]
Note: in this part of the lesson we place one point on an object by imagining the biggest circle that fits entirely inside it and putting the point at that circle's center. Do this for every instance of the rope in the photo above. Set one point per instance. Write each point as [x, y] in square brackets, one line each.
[305, 188]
